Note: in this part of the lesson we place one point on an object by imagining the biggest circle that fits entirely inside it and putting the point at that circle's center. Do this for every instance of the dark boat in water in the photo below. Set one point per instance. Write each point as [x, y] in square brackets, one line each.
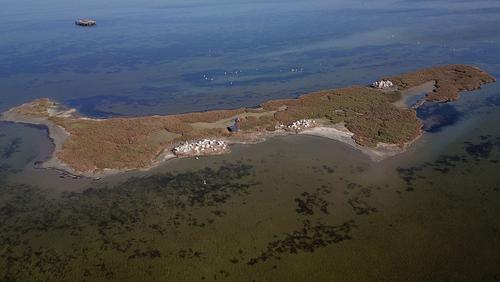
[85, 22]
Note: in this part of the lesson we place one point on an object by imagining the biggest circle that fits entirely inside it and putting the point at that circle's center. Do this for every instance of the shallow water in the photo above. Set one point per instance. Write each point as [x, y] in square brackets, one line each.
[291, 208]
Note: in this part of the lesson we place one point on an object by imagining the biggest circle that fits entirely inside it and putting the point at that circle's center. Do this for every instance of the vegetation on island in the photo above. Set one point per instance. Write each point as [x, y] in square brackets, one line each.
[450, 80]
[369, 113]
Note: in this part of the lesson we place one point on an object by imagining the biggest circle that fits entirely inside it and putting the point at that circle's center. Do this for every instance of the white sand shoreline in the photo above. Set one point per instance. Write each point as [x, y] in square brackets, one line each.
[340, 133]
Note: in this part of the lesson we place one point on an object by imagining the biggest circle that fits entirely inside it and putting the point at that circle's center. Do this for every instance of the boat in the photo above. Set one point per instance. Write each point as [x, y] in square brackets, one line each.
[85, 22]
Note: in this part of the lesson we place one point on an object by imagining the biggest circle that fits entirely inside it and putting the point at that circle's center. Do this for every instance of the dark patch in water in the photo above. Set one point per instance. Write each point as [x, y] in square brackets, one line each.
[481, 150]
[189, 254]
[153, 253]
[308, 202]
[308, 238]
[495, 100]
[443, 164]
[352, 185]
[11, 148]
[435, 116]
[122, 222]
[89, 106]
[361, 207]
[4, 168]
[328, 169]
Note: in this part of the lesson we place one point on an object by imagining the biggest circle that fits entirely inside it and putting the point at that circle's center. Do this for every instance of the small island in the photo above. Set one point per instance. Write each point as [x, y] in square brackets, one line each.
[371, 119]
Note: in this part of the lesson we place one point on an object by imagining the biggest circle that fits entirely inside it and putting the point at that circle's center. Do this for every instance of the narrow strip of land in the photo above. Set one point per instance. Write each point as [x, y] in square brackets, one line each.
[373, 120]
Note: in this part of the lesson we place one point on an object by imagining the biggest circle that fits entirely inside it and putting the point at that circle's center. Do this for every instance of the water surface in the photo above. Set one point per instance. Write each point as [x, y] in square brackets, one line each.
[291, 208]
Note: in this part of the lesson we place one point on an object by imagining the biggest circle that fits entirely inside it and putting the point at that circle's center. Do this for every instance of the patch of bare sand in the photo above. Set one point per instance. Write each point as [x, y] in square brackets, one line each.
[340, 133]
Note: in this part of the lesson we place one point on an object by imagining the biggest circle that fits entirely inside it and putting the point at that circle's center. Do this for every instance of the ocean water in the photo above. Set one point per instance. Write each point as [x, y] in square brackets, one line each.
[291, 208]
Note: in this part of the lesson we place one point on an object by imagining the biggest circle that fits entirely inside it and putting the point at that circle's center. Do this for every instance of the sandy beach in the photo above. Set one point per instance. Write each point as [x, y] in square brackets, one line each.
[340, 133]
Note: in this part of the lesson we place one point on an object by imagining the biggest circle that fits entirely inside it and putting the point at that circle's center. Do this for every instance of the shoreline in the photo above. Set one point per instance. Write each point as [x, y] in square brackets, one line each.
[379, 153]
[380, 123]
[338, 132]
[419, 92]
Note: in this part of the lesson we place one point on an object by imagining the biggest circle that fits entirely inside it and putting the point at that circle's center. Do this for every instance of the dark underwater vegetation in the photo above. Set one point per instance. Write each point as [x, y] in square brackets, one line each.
[290, 209]
[152, 219]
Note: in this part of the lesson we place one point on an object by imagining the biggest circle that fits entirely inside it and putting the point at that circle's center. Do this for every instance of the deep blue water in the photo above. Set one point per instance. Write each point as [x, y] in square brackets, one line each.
[162, 57]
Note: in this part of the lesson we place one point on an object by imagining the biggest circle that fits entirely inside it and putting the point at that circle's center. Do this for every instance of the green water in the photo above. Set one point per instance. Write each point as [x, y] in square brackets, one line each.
[291, 208]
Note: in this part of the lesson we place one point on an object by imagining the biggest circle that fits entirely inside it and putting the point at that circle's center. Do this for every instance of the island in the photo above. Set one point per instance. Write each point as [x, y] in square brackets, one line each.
[372, 119]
